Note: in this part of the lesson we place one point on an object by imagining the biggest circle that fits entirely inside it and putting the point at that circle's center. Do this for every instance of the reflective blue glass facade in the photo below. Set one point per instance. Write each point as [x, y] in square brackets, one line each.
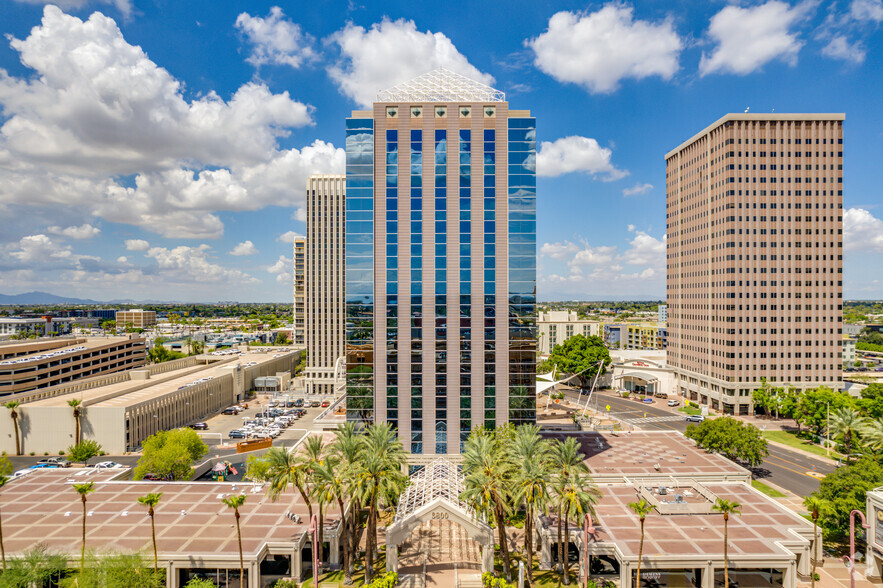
[359, 309]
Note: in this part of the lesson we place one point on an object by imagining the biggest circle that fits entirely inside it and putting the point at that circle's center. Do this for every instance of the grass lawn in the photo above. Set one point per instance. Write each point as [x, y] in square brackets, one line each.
[335, 579]
[690, 410]
[792, 440]
[771, 492]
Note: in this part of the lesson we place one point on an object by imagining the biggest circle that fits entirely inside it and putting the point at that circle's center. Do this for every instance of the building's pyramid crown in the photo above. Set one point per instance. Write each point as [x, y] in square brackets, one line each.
[441, 85]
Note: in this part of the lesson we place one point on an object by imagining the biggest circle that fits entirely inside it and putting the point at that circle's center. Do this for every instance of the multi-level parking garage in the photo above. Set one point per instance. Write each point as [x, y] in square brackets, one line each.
[50, 362]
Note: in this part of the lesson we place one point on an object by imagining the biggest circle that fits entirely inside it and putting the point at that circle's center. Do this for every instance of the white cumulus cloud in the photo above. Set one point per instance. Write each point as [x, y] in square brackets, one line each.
[576, 154]
[559, 250]
[192, 264]
[637, 189]
[288, 236]
[862, 231]
[85, 231]
[864, 10]
[839, 47]
[275, 39]
[747, 38]
[646, 250]
[598, 50]
[98, 108]
[282, 269]
[244, 248]
[124, 6]
[137, 245]
[392, 52]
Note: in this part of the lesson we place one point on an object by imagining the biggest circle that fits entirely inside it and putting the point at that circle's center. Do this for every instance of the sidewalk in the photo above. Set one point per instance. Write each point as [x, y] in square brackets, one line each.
[835, 575]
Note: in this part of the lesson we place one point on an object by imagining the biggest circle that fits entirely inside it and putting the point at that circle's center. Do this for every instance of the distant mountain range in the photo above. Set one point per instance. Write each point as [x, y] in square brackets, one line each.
[47, 298]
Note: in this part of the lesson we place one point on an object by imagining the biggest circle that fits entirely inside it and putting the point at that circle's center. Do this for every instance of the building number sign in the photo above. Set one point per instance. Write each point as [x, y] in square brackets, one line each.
[439, 516]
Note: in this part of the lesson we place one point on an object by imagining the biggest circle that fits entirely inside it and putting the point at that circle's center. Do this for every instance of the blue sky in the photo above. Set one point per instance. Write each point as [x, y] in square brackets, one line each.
[157, 149]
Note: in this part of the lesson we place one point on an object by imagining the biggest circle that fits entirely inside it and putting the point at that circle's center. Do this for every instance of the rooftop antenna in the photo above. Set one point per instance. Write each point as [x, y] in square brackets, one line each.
[747, 109]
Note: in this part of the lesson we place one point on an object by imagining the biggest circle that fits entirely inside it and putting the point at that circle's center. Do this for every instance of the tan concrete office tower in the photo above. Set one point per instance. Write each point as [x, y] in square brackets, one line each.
[299, 247]
[754, 205]
[441, 262]
[326, 241]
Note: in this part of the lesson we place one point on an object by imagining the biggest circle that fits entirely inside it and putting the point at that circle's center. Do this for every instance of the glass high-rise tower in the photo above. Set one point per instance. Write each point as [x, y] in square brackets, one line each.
[441, 262]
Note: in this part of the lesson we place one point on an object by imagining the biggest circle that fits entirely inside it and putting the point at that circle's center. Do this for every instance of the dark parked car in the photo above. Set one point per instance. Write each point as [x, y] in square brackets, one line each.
[299, 402]
[236, 434]
[199, 426]
[231, 410]
[315, 404]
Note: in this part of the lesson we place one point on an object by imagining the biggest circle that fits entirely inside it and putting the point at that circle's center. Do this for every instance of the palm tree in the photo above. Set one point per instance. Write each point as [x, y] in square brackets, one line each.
[642, 508]
[75, 404]
[566, 458]
[314, 450]
[872, 434]
[349, 445]
[235, 502]
[847, 422]
[150, 501]
[530, 453]
[12, 405]
[577, 493]
[287, 469]
[725, 507]
[817, 506]
[83, 490]
[380, 480]
[3, 479]
[331, 486]
[488, 485]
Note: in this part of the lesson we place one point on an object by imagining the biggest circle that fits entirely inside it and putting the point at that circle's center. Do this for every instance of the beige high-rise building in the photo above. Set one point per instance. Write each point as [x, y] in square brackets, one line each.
[139, 319]
[299, 289]
[326, 240]
[755, 256]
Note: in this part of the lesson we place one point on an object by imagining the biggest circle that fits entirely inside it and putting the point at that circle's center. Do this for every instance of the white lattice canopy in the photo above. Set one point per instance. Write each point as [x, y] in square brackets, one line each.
[441, 85]
[439, 479]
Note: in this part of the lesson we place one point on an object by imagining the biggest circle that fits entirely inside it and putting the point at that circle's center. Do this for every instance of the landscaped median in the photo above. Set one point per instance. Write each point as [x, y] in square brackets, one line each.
[791, 439]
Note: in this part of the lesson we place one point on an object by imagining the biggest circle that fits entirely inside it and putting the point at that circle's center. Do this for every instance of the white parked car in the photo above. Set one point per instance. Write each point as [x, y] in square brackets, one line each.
[106, 465]
[695, 418]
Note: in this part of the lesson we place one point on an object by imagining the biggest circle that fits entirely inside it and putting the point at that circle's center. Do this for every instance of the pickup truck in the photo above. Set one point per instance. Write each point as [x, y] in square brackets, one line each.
[58, 462]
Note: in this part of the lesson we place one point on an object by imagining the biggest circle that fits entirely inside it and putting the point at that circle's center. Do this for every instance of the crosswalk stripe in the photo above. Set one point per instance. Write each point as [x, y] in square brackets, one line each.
[657, 419]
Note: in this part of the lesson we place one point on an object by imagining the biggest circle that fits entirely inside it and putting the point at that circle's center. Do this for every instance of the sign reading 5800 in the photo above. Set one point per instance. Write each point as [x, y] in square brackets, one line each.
[439, 516]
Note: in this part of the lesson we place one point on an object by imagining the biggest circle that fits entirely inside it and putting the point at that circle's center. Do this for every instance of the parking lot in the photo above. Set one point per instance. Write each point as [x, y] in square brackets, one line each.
[219, 426]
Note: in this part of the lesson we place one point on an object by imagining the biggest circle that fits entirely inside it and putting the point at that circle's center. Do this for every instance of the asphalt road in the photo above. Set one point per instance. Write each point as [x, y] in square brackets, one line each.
[792, 470]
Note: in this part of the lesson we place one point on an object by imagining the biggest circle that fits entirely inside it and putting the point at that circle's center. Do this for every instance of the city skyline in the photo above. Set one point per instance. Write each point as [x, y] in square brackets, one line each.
[108, 201]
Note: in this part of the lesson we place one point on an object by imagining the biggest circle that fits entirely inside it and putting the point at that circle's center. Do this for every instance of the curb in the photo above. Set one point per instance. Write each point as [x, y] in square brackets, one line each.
[828, 460]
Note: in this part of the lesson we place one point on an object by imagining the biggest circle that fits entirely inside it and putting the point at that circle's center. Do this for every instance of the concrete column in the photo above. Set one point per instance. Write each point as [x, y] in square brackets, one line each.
[254, 575]
[874, 567]
[334, 547]
[789, 576]
[297, 563]
[171, 577]
[487, 558]
[708, 576]
[625, 575]
[545, 552]
[392, 558]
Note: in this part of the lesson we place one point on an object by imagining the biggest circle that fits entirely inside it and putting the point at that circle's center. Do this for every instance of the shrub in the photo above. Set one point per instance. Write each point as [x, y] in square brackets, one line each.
[32, 453]
[286, 583]
[389, 580]
[488, 580]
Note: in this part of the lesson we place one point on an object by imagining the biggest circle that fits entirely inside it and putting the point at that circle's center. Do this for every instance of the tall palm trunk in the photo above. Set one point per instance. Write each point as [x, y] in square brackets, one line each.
[355, 532]
[76, 426]
[560, 543]
[640, 554]
[320, 542]
[2, 549]
[504, 545]
[241, 560]
[726, 561]
[15, 427]
[815, 547]
[528, 543]
[83, 545]
[566, 560]
[153, 537]
[345, 541]
[369, 548]
[848, 438]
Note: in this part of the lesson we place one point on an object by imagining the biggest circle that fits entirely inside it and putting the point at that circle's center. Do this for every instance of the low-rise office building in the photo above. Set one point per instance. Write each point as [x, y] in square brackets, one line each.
[636, 336]
[138, 318]
[45, 363]
[43, 326]
[121, 410]
[557, 326]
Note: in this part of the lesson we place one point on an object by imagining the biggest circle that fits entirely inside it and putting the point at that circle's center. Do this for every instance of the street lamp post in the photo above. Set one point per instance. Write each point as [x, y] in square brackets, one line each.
[850, 559]
[314, 530]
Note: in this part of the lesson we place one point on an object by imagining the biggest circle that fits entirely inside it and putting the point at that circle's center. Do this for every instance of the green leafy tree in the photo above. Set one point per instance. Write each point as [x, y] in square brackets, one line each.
[578, 493]
[281, 339]
[200, 583]
[84, 490]
[643, 509]
[235, 502]
[84, 451]
[816, 506]
[36, 567]
[872, 434]
[287, 469]
[257, 468]
[170, 454]
[115, 570]
[731, 438]
[150, 500]
[578, 355]
[726, 507]
[812, 409]
[845, 489]
[871, 403]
